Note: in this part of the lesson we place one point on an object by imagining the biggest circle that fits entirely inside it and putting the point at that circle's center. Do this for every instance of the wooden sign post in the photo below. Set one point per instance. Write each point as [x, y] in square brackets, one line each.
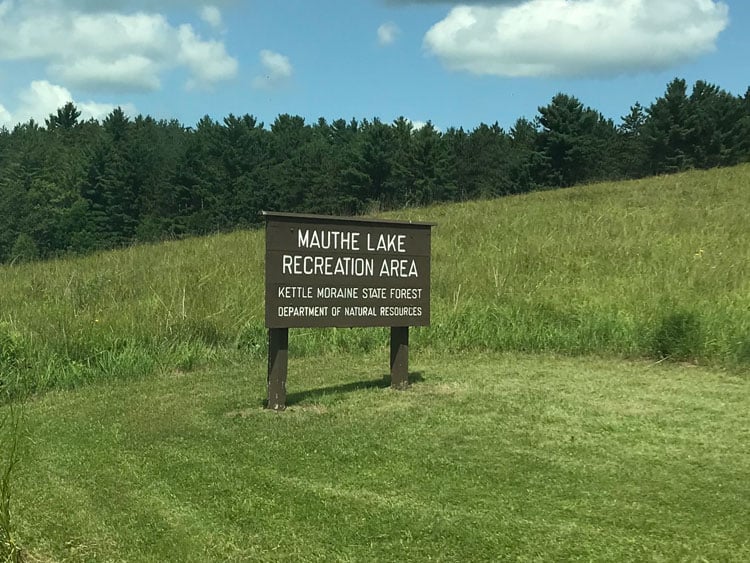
[326, 271]
[400, 357]
[278, 360]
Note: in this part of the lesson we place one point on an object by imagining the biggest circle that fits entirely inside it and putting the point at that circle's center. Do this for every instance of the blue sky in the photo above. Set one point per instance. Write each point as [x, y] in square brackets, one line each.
[454, 64]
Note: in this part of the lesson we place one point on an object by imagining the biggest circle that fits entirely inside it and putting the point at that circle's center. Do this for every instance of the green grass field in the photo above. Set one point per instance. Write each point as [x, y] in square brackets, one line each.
[488, 457]
[581, 394]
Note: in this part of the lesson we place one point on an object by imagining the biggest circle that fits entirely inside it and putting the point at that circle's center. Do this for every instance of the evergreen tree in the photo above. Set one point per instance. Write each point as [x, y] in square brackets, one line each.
[371, 171]
[572, 142]
[631, 146]
[199, 183]
[38, 189]
[287, 157]
[66, 118]
[117, 125]
[525, 166]
[112, 216]
[399, 186]
[331, 155]
[718, 131]
[430, 168]
[488, 161]
[667, 131]
[244, 151]
[351, 184]
[154, 151]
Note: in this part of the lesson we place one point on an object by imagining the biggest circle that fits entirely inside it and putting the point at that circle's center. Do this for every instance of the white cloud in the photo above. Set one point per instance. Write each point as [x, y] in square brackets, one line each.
[417, 125]
[112, 50]
[207, 60]
[576, 37]
[97, 110]
[212, 16]
[276, 70]
[132, 72]
[41, 98]
[387, 33]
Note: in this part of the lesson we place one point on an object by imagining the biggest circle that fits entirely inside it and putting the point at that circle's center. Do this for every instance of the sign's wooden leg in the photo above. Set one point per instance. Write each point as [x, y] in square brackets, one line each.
[278, 359]
[399, 357]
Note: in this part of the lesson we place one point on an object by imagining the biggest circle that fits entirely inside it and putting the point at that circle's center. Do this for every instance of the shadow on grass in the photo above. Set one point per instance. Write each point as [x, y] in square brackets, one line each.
[314, 394]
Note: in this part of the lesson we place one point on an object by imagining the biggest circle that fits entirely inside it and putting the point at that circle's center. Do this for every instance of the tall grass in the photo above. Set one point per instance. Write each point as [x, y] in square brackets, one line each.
[657, 267]
[654, 268]
[10, 424]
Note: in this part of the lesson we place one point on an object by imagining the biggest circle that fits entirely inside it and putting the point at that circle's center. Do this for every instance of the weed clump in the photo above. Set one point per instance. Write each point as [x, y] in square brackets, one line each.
[11, 358]
[742, 355]
[678, 336]
[10, 347]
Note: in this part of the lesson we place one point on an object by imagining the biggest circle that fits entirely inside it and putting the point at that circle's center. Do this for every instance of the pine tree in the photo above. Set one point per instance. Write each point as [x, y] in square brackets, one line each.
[631, 144]
[717, 127]
[66, 118]
[572, 141]
[488, 155]
[525, 167]
[373, 168]
[667, 131]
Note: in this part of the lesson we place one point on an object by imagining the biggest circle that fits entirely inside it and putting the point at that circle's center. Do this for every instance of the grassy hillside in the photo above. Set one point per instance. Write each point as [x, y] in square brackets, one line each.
[655, 268]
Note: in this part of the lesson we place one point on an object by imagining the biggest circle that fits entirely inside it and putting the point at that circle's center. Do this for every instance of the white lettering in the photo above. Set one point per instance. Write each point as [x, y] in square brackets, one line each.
[387, 242]
[298, 265]
[303, 240]
[338, 293]
[373, 293]
[286, 264]
[328, 240]
[305, 311]
[404, 293]
[292, 292]
[359, 311]
[398, 268]
[401, 311]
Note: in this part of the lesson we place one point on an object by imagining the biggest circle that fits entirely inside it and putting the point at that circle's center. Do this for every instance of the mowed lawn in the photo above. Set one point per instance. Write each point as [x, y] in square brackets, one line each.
[485, 457]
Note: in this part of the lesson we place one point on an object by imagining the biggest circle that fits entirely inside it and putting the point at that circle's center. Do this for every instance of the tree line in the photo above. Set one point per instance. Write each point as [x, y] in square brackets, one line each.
[73, 186]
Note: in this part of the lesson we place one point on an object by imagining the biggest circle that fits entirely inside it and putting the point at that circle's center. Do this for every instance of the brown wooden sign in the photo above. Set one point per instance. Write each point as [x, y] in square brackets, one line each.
[340, 272]
[326, 271]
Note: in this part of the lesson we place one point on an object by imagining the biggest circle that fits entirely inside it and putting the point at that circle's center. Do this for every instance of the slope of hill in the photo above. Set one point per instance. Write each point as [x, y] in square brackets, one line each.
[653, 268]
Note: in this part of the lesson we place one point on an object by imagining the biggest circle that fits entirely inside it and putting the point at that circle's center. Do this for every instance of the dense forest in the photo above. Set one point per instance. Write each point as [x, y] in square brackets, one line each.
[72, 186]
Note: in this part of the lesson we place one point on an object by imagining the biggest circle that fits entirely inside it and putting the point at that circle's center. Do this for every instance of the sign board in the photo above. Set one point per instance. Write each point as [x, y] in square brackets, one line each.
[341, 272]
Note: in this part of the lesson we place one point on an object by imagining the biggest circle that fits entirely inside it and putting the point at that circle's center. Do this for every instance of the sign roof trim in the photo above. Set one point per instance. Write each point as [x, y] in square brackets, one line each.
[339, 219]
